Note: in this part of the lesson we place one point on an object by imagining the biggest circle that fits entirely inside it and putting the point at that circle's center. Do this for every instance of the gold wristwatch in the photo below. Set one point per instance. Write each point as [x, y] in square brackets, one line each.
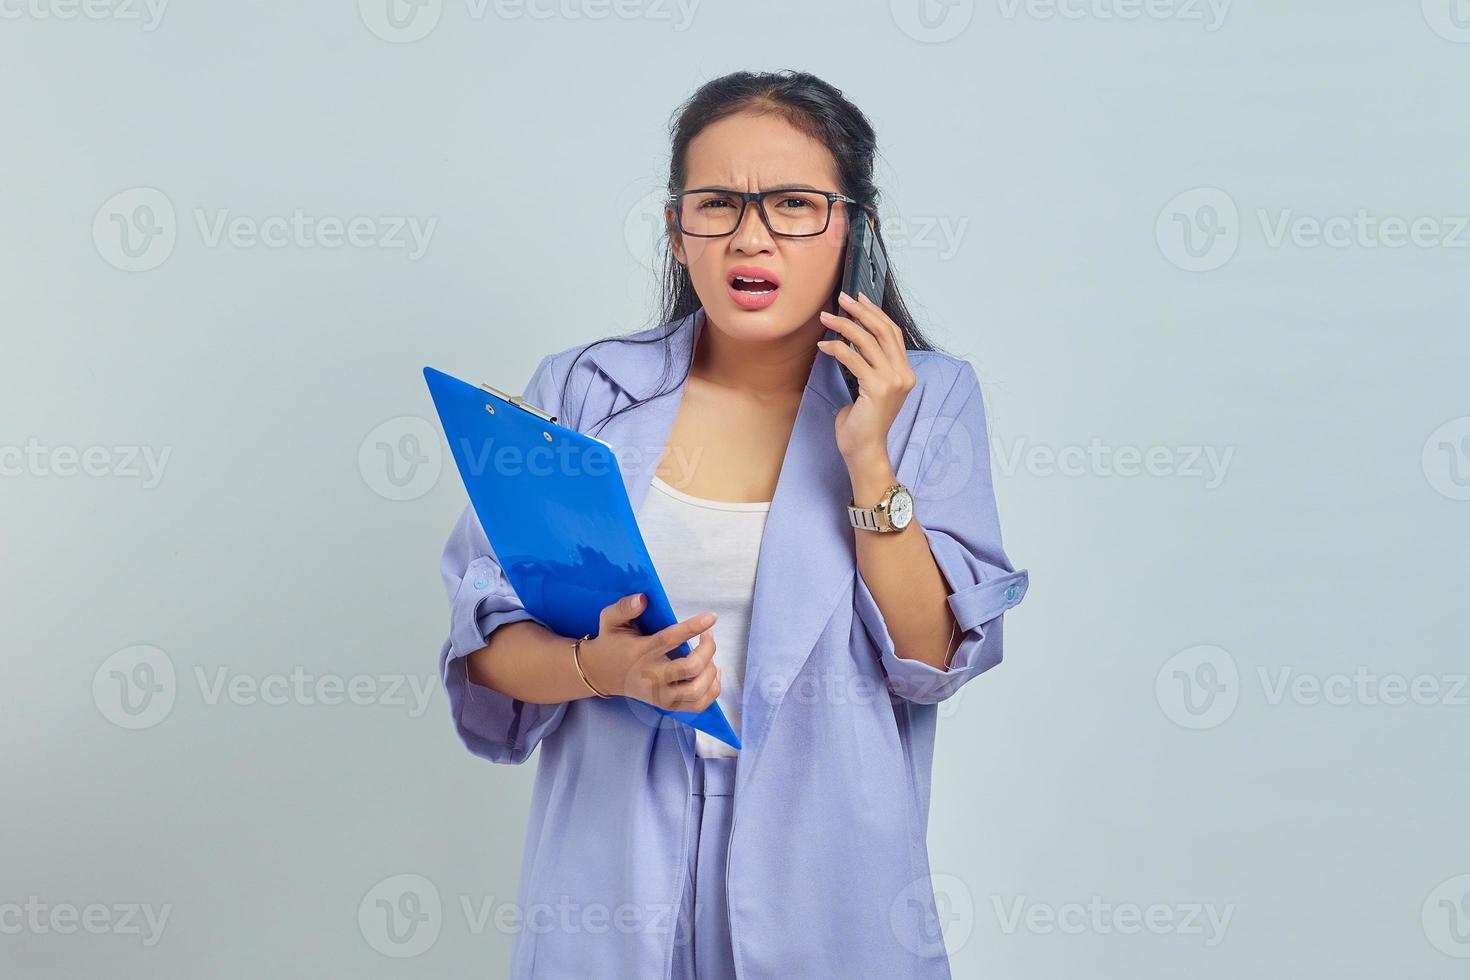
[892, 513]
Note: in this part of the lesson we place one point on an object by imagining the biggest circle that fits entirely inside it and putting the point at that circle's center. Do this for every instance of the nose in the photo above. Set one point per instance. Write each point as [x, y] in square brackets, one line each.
[752, 236]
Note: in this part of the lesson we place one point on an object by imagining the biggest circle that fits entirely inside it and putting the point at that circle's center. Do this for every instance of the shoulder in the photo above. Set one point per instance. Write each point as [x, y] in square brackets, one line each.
[942, 378]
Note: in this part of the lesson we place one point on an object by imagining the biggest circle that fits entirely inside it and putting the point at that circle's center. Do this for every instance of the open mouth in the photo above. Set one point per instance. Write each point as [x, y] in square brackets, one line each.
[752, 280]
[758, 287]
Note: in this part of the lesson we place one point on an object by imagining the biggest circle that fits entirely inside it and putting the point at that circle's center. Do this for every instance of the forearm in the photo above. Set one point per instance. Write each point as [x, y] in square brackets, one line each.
[901, 573]
[529, 662]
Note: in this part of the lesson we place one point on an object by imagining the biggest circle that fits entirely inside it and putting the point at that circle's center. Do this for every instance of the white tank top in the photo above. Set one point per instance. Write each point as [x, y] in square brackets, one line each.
[705, 552]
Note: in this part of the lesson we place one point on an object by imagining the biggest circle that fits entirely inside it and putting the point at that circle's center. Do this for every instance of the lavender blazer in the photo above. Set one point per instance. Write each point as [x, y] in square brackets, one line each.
[828, 872]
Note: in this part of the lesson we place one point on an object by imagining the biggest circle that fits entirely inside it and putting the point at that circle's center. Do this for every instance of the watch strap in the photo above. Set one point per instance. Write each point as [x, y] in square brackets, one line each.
[863, 517]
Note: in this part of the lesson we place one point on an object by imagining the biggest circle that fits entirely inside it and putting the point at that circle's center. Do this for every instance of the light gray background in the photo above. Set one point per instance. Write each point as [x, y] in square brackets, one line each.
[1033, 162]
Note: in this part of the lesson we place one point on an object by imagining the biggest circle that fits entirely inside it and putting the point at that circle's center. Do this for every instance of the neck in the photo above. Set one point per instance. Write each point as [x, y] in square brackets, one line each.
[764, 369]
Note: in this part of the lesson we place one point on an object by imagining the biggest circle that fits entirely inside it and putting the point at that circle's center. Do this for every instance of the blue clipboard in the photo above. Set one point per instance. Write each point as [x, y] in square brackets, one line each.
[557, 515]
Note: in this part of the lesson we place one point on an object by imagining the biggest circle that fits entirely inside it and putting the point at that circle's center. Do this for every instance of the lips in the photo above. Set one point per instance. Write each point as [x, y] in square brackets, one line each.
[752, 287]
[752, 279]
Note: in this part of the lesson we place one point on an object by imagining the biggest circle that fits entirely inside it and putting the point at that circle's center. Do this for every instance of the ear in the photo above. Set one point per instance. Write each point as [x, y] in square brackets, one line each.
[676, 240]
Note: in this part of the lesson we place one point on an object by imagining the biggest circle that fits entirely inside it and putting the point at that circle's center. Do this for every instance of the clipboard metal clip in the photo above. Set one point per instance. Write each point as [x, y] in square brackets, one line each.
[519, 400]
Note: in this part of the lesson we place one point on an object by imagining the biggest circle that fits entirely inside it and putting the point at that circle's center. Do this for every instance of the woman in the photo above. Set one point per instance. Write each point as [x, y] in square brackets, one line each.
[653, 853]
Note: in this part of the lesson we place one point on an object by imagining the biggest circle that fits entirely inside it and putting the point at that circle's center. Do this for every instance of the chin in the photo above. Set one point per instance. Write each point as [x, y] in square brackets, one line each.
[767, 324]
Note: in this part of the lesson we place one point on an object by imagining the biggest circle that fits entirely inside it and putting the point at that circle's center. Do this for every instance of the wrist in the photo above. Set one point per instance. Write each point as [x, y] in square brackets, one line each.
[870, 477]
[595, 671]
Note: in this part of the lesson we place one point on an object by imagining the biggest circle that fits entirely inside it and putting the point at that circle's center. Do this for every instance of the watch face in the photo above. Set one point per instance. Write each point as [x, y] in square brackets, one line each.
[901, 509]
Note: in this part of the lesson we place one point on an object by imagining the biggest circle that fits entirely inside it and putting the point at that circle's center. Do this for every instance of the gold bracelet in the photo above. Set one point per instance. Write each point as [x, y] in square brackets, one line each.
[577, 659]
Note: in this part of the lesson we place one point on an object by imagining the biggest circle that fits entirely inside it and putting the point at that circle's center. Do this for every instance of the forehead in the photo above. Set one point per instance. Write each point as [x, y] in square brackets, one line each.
[753, 151]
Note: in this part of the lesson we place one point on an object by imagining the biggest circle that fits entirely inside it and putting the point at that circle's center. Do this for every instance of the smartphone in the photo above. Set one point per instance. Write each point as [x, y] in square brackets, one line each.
[865, 268]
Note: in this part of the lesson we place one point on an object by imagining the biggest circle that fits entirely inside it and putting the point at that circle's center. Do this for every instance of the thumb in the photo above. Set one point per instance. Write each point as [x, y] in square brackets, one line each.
[624, 610]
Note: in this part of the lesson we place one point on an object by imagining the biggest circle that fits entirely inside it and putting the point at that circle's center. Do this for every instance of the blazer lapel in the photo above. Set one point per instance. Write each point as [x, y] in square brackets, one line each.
[806, 561]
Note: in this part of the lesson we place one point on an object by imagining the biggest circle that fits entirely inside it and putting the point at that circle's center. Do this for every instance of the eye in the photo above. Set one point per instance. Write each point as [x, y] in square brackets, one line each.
[793, 203]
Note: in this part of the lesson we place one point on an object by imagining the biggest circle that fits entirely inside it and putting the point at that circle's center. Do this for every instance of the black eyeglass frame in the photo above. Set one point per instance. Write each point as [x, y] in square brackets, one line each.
[746, 197]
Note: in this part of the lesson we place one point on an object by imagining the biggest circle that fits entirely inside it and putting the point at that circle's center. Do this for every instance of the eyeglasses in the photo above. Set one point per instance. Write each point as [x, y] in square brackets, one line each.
[790, 212]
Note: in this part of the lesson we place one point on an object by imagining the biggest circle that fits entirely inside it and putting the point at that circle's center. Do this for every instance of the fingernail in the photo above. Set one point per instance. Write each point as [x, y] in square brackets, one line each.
[823, 344]
[636, 599]
[707, 618]
[862, 295]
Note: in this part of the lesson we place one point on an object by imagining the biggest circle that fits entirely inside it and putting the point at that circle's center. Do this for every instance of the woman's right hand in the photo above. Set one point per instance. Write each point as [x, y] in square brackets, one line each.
[621, 660]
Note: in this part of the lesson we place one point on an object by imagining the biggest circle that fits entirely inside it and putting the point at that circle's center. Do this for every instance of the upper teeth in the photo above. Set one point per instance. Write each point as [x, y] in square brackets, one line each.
[746, 279]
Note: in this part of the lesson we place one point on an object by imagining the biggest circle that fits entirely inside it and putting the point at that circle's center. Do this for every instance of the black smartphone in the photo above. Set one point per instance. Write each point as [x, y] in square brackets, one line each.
[865, 267]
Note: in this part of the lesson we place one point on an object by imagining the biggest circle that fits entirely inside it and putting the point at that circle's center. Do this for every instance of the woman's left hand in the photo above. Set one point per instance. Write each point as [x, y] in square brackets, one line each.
[881, 366]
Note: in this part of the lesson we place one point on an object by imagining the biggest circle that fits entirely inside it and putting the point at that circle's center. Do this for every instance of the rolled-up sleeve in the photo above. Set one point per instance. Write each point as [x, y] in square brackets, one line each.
[492, 725]
[954, 502]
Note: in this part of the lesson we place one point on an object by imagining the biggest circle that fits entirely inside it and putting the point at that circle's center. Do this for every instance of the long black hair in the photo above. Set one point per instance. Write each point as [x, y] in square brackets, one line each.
[817, 109]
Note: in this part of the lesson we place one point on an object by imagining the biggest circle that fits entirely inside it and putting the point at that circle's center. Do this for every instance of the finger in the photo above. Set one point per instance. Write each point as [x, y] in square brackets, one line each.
[872, 317]
[863, 338]
[623, 611]
[856, 363]
[671, 637]
[696, 694]
[890, 329]
[682, 669]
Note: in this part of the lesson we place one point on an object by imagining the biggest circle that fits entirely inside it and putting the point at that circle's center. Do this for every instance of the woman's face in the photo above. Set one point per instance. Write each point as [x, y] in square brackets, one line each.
[748, 152]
